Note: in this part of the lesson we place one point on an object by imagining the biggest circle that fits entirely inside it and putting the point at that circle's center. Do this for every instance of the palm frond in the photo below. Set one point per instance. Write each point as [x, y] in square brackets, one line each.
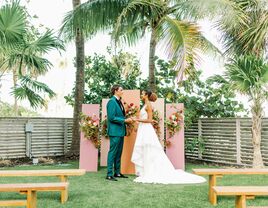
[193, 10]
[33, 91]
[44, 43]
[91, 17]
[250, 35]
[247, 74]
[12, 23]
[181, 41]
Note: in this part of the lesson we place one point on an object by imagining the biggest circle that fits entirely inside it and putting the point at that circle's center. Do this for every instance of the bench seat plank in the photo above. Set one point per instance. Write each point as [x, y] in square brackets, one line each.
[58, 172]
[20, 187]
[241, 190]
[10, 203]
[230, 171]
[241, 193]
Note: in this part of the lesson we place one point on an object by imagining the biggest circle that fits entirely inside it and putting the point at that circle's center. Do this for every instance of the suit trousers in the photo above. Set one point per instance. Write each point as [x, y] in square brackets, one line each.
[114, 155]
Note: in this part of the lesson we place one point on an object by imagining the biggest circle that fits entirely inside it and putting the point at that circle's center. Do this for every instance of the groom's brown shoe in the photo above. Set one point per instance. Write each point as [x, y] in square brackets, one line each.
[111, 178]
[120, 175]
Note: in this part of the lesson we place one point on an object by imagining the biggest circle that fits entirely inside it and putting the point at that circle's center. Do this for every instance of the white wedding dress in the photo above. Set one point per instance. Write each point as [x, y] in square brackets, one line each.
[151, 163]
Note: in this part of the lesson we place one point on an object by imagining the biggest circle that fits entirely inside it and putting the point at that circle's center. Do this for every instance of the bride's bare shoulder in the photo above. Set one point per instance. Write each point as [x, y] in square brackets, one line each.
[148, 106]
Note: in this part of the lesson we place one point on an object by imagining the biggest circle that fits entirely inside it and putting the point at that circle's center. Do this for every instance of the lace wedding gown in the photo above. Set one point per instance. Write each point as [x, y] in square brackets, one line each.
[151, 163]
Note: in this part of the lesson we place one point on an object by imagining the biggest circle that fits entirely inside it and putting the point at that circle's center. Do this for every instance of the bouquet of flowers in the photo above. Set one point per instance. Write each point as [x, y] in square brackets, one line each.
[131, 111]
[155, 124]
[90, 127]
[173, 125]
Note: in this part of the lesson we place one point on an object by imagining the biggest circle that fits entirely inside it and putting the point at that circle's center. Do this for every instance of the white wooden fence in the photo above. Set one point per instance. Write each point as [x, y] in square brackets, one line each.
[226, 140]
[48, 137]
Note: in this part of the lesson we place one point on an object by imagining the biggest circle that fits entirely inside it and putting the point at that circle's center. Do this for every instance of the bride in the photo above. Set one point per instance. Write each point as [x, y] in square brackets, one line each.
[151, 163]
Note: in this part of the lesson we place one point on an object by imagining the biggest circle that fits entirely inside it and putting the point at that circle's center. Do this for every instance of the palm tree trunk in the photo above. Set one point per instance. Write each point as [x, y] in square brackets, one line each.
[15, 80]
[256, 133]
[79, 89]
[152, 83]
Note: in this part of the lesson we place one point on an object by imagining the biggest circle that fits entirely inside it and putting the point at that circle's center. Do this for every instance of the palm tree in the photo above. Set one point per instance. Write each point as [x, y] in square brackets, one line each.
[79, 86]
[22, 53]
[25, 60]
[249, 76]
[129, 20]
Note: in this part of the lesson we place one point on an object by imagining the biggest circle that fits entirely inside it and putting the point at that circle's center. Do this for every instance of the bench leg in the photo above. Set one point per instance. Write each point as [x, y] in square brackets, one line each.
[240, 202]
[64, 195]
[211, 194]
[31, 199]
[63, 178]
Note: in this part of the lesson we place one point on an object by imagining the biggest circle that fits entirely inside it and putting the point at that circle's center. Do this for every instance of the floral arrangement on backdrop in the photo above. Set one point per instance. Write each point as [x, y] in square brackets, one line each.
[173, 125]
[131, 111]
[90, 127]
[156, 123]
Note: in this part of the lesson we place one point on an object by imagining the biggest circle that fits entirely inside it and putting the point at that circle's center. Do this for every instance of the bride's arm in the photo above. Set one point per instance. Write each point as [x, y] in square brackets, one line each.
[149, 111]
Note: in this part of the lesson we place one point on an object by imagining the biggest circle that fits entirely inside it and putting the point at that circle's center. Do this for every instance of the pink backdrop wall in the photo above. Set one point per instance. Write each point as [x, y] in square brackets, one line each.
[105, 142]
[88, 152]
[175, 151]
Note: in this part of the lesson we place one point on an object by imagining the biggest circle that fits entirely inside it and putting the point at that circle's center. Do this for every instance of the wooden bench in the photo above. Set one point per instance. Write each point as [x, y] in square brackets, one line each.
[62, 174]
[31, 190]
[242, 193]
[215, 173]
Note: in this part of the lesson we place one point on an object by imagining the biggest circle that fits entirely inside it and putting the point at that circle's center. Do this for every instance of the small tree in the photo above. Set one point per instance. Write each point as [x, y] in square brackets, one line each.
[249, 76]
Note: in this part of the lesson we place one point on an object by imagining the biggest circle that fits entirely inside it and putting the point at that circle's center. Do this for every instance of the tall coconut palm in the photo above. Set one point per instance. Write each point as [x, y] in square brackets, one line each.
[131, 19]
[79, 86]
[249, 76]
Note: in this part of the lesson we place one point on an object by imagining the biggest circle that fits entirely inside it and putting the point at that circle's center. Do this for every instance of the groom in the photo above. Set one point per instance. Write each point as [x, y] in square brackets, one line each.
[116, 123]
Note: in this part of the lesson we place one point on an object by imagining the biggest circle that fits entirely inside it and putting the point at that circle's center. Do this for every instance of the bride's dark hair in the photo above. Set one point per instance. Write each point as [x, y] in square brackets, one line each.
[151, 96]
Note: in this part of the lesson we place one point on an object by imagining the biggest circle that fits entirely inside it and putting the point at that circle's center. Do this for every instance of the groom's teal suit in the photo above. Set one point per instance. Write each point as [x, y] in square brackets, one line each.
[116, 132]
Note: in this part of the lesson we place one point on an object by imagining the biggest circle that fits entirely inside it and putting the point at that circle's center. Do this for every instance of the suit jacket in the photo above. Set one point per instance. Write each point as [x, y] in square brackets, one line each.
[115, 118]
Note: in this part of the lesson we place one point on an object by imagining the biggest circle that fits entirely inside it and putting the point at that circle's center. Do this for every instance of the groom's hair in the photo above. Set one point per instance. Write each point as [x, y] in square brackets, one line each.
[115, 88]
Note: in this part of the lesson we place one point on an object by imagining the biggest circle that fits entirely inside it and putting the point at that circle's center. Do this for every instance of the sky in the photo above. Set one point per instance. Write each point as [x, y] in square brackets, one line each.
[61, 76]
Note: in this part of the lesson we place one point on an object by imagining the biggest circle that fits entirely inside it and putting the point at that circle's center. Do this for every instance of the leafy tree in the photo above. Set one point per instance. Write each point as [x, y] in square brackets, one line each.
[201, 98]
[101, 74]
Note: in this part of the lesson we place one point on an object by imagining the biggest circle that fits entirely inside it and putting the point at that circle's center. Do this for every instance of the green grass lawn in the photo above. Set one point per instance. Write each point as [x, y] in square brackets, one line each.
[92, 190]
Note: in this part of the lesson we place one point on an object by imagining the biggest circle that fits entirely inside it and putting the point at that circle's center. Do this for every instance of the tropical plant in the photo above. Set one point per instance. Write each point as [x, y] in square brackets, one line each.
[131, 19]
[249, 76]
[22, 54]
